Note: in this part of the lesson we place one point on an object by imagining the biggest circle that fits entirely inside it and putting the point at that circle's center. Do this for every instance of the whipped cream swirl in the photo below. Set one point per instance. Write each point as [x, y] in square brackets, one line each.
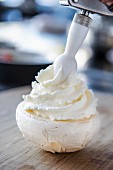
[70, 100]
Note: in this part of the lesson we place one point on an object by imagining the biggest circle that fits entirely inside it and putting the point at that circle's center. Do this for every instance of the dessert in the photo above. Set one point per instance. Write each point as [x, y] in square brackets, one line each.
[58, 117]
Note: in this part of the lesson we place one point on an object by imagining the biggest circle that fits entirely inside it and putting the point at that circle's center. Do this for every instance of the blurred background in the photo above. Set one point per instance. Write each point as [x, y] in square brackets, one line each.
[33, 33]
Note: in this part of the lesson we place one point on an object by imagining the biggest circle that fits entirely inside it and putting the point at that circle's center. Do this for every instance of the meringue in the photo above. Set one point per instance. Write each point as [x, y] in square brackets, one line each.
[58, 117]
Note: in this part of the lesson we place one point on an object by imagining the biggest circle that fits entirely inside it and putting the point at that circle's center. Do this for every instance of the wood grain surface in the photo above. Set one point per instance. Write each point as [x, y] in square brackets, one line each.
[18, 154]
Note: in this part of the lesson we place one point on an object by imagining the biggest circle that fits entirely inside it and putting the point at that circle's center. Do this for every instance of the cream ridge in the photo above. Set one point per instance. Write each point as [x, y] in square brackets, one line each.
[71, 100]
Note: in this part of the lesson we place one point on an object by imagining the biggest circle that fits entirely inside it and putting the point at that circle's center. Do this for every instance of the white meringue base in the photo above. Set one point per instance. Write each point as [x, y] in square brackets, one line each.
[56, 136]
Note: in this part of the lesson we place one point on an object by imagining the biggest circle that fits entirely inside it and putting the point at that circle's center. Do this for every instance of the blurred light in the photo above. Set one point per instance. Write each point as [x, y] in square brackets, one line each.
[48, 3]
[12, 3]
[109, 56]
[13, 15]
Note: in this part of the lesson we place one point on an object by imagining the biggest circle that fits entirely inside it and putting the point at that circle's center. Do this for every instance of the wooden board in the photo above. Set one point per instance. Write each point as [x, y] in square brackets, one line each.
[18, 154]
